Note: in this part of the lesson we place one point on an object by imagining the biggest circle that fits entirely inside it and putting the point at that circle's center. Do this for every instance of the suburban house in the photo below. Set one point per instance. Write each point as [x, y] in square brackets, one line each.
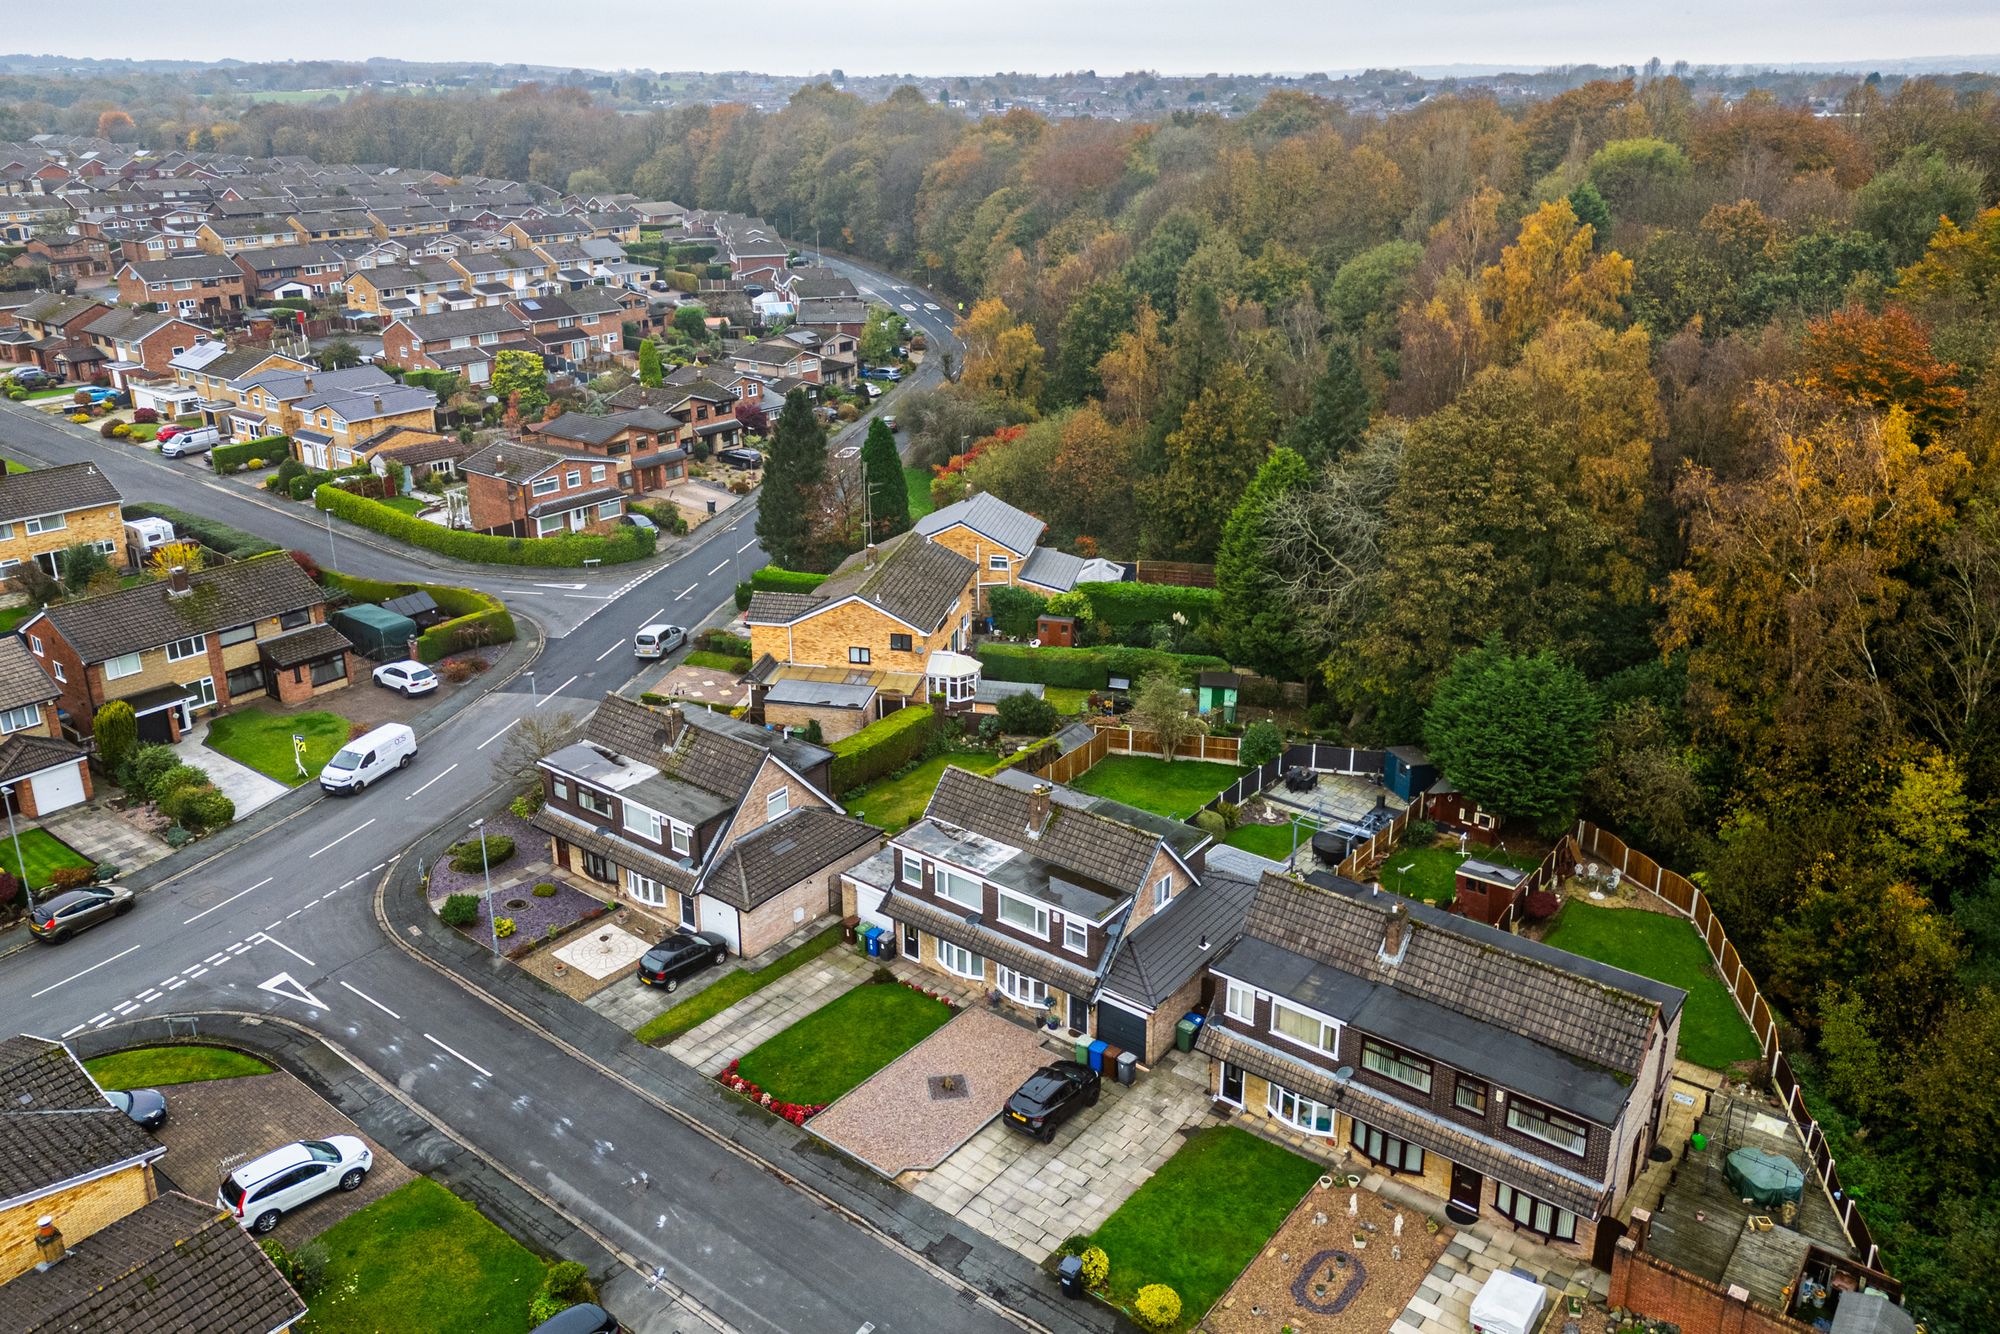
[578, 326]
[775, 358]
[45, 772]
[423, 288]
[1505, 1078]
[47, 331]
[47, 509]
[640, 441]
[1072, 907]
[1003, 541]
[233, 235]
[891, 622]
[72, 258]
[726, 826]
[429, 456]
[141, 343]
[191, 643]
[522, 490]
[460, 340]
[326, 413]
[189, 285]
[88, 1241]
[314, 272]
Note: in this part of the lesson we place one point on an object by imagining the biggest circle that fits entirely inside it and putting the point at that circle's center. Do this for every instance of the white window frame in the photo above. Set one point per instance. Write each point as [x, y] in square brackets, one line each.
[193, 646]
[1298, 1111]
[960, 961]
[1019, 986]
[1378, 1056]
[204, 692]
[122, 666]
[1073, 928]
[947, 878]
[46, 523]
[20, 718]
[597, 472]
[646, 889]
[681, 838]
[609, 509]
[545, 486]
[60, 675]
[586, 795]
[1240, 1002]
[1328, 1040]
[35, 643]
[573, 477]
[776, 803]
[909, 868]
[997, 563]
[1038, 914]
[1544, 1129]
[549, 523]
[1163, 891]
[239, 634]
[649, 824]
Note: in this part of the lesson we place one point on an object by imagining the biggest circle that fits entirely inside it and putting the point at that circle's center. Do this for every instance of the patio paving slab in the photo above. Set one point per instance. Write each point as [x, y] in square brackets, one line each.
[602, 951]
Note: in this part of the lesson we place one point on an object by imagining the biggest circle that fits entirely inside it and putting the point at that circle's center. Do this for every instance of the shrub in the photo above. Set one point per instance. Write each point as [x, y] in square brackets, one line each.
[1419, 833]
[1015, 610]
[772, 579]
[234, 458]
[1027, 715]
[79, 417]
[1231, 813]
[459, 910]
[177, 837]
[107, 431]
[1087, 668]
[455, 670]
[145, 764]
[503, 927]
[570, 550]
[70, 877]
[466, 856]
[565, 1285]
[216, 536]
[145, 416]
[1157, 1307]
[1211, 823]
[1096, 1267]
[721, 641]
[179, 776]
[211, 808]
[527, 803]
[116, 729]
[545, 890]
[1125, 604]
[1262, 742]
[1541, 905]
[304, 1269]
[104, 871]
[881, 747]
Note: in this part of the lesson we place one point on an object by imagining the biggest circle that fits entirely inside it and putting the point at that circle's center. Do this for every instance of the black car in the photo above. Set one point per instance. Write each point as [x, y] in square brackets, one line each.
[680, 955]
[1051, 1096]
[588, 1318]
[741, 458]
[148, 1107]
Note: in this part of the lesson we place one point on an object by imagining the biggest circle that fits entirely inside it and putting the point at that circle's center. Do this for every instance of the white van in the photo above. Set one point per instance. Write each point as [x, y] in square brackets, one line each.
[196, 441]
[658, 640]
[369, 756]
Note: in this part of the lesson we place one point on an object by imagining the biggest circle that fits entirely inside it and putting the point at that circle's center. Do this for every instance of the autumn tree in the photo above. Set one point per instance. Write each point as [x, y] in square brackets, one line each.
[1209, 459]
[521, 380]
[1095, 319]
[1134, 371]
[793, 475]
[1160, 705]
[1002, 358]
[112, 123]
[1879, 362]
[1551, 272]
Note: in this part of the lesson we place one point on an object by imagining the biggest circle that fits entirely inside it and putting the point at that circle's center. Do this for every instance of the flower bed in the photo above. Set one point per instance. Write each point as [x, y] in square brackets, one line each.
[444, 880]
[795, 1112]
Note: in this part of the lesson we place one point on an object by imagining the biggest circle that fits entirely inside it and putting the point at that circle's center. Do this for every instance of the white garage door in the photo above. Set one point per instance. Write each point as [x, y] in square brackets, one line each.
[58, 788]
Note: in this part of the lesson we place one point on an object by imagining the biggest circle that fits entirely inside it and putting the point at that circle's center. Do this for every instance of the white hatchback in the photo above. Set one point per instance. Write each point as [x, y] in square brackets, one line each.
[265, 1189]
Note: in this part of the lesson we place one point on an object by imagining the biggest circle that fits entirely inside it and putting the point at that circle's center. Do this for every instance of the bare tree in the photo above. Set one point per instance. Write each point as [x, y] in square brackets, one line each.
[1326, 539]
[533, 737]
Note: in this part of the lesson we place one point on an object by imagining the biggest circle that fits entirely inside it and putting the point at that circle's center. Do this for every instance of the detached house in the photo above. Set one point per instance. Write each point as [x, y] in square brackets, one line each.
[191, 643]
[639, 441]
[724, 825]
[463, 341]
[48, 509]
[521, 490]
[188, 285]
[327, 414]
[313, 272]
[1508, 1079]
[46, 772]
[141, 344]
[1003, 540]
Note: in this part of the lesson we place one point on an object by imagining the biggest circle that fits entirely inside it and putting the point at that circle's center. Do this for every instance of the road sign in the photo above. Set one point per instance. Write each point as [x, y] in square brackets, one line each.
[284, 984]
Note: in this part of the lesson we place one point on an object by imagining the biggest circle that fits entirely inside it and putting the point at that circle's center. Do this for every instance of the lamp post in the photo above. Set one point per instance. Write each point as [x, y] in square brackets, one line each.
[492, 922]
[20, 864]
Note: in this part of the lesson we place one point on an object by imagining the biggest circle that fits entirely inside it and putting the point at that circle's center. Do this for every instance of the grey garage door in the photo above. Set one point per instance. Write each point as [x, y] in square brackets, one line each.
[1122, 1028]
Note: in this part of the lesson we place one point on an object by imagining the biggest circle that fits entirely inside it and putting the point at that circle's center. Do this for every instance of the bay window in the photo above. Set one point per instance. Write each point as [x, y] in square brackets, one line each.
[1025, 989]
[1533, 1214]
[1395, 1154]
[1315, 1118]
[960, 960]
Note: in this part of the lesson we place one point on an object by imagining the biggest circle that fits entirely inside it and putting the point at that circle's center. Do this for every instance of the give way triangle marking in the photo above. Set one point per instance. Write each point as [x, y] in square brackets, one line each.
[284, 984]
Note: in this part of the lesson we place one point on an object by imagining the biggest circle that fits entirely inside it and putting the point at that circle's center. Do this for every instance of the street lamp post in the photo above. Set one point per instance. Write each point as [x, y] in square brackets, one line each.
[7, 792]
[492, 921]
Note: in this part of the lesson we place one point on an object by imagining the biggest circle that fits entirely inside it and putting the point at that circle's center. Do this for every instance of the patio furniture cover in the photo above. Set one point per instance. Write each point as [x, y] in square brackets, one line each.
[1764, 1178]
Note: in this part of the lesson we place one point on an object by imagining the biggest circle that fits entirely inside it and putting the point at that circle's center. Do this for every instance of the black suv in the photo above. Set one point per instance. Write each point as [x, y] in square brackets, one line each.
[680, 955]
[1051, 1096]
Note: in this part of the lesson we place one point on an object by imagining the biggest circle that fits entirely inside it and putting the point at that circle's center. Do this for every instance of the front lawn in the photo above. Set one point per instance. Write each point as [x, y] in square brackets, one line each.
[1225, 1186]
[264, 741]
[891, 803]
[143, 432]
[1175, 790]
[148, 1067]
[917, 481]
[405, 505]
[1666, 949]
[421, 1258]
[1433, 871]
[716, 662]
[43, 852]
[843, 1042]
[732, 987]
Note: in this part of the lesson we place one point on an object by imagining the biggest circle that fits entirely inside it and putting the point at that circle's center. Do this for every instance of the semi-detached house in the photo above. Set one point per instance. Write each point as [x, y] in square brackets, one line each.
[515, 489]
[189, 285]
[463, 340]
[46, 510]
[45, 771]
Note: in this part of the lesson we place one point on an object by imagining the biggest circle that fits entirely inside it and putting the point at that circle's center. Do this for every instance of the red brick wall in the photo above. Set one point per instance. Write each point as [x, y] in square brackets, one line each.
[76, 697]
[1659, 1291]
[492, 502]
[24, 793]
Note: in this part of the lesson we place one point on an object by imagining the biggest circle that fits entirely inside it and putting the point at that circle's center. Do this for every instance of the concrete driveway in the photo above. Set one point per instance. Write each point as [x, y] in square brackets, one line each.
[239, 782]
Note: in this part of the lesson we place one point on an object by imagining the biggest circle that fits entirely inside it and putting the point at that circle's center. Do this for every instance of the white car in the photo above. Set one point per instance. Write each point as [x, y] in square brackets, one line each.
[265, 1189]
[412, 678]
[657, 640]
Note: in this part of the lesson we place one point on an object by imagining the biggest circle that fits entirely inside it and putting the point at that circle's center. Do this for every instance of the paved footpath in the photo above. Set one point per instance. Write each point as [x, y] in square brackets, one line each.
[717, 1041]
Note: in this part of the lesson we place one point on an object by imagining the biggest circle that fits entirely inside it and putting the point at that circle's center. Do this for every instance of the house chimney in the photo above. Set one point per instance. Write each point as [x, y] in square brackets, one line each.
[178, 583]
[49, 1246]
[1038, 809]
[309, 384]
[1394, 933]
[868, 561]
[378, 403]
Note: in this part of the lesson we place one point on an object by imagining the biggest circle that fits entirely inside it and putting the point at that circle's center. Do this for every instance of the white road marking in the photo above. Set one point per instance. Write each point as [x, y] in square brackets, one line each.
[568, 586]
[342, 839]
[238, 948]
[105, 1023]
[685, 591]
[196, 971]
[126, 1008]
[149, 995]
[74, 976]
[177, 982]
[848, 452]
[371, 1000]
[723, 566]
[461, 1056]
[284, 984]
[557, 691]
[661, 612]
[526, 592]
[420, 791]
[930, 305]
[215, 959]
[226, 902]
[608, 652]
[72, 1032]
[495, 737]
[287, 949]
[746, 546]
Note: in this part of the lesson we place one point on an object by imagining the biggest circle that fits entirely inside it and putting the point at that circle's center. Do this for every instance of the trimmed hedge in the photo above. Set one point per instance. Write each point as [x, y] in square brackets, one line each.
[571, 549]
[477, 619]
[1124, 605]
[772, 579]
[1087, 668]
[234, 458]
[232, 542]
[881, 747]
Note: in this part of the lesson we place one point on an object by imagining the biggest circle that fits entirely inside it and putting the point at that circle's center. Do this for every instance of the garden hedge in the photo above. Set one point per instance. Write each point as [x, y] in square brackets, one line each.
[231, 542]
[570, 550]
[234, 458]
[772, 579]
[1087, 668]
[1124, 605]
[881, 747]
[476, 619]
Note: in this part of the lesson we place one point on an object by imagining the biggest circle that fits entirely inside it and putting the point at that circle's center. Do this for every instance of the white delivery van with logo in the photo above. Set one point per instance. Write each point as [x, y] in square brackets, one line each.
[367, 757]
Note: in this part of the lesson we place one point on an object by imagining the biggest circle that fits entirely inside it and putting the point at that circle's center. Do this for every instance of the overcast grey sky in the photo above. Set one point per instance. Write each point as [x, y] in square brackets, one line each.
[1042, 36]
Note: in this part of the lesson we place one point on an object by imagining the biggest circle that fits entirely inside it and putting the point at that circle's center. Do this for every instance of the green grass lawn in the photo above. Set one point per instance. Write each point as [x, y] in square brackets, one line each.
[144, 431]
[843, 1042]
[917, 481]
[145, 1067]
[891, 803]
[716, 662]
[1067, 702]
[405, 505]
[13, 467]
[1433, 871]
[1226, 1187]
[1269, 840]
[264, 741]
[1666, 949]
[732, 987]
[421, 1258]
[42, 851]
[13, 616]
[1177, 790]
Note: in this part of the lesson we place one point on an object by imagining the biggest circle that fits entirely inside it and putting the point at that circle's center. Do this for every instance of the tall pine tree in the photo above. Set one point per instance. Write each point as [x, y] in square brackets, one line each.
[888, 495]
[1333, 424]
[1258, 630]
[792, 479]
[649, 364]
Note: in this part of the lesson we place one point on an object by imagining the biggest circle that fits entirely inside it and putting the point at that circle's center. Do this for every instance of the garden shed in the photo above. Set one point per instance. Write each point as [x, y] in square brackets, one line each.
[419, 606]
[1407, 771]
[1217, 694]
[376, 632]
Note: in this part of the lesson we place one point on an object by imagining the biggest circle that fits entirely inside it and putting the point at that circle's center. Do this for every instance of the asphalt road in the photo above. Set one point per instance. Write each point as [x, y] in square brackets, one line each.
[284, 924]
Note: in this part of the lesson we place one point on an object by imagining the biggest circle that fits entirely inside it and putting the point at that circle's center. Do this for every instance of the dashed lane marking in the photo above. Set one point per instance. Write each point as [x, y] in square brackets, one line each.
[226, 902]
[461, 1056]
[371, 1000]
[342, 839]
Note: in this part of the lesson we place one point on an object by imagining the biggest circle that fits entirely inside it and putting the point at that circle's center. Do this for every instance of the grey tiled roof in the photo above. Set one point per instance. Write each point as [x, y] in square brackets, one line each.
[72, 486]
[22, 679]
[772, 859]
[779, 608]
[608, 845]
[22, 755]
[303, 645]
[174, 1264]
[802, 756]
[989, 944]
[462, 323]
[185, 267]
[990, 517]
[1169, 947]
[1052, 569]
[724, 765]
[55, 1123]
[915, 580]
[1083, 842]
[518, 461]
[629, 728]
[148, 615]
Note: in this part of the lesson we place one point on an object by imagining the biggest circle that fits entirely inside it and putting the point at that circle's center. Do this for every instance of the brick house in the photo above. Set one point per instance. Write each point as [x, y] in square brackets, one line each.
[188, 285]
[72, 259]
[46, 772]
[578, 327]
[141, 343]
[423, 288]
[1036, 891]
[775, 358]
[47, 509]
[462, 340]
[192, 643]
[231, 235]
[639, 440]
[1003, 541]
[326, 413]
[522, 490]
[47, 329]
[315, 272]
[1503, 1077]
[725, 826]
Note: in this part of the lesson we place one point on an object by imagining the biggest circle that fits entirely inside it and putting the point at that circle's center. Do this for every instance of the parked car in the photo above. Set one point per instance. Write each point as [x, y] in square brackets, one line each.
[658, 640]
[166, 433]
[889, 421]
[741, 458]
[631, 520]
[753, 289]
[412, 678]
[369, 756]
[147, 1107]
[586, 1318]
[265, 1189]
[681, 955]
[28, 377]
[194, 440]
[890, 373]
[1052, 1095]
[798, 261]
[60, 916]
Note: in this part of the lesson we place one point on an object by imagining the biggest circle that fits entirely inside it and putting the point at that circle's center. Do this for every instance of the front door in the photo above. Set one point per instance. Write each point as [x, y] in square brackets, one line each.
[1466, 1186]
[1232, 1084]
[688, 918]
